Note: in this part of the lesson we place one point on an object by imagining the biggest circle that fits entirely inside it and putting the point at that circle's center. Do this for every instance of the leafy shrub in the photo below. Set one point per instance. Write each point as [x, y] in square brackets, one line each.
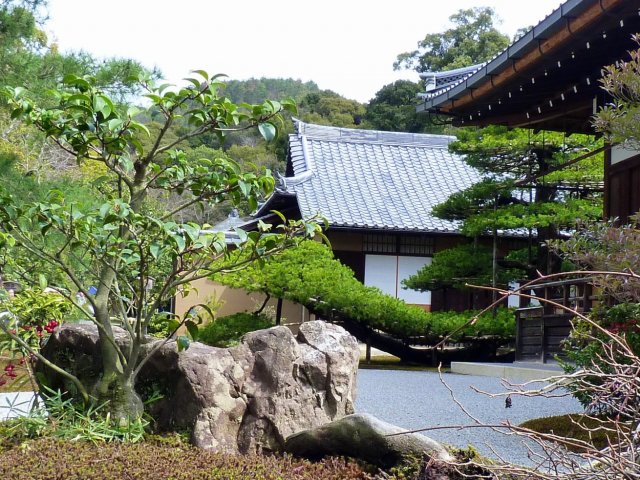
[227, 331]
[33, 310]
[160, 326]
[33, 315]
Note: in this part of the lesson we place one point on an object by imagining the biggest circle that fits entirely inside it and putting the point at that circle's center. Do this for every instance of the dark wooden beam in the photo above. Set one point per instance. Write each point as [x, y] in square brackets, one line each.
[573, 27]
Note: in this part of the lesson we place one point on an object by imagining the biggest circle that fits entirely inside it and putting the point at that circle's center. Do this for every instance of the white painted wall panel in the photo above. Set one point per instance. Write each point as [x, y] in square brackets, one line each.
[620, 154]
[408, 266]
[513, 301]
[380, 271]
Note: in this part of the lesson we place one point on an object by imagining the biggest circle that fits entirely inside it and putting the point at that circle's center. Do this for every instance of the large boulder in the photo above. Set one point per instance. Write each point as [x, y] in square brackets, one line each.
[242, 399]
[365, 437]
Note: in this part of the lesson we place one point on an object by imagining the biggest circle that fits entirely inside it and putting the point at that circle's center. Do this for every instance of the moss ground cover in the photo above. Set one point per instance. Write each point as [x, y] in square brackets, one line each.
[581, 427]
[48, 458]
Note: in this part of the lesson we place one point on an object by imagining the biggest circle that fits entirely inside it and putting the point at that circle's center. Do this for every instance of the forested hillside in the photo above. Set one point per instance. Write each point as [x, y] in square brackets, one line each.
[255, 90]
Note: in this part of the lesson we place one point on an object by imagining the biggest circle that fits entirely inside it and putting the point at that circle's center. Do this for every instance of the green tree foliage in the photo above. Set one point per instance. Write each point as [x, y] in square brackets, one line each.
[254, 90]
[393, 109]
[135, 256]
[260, 158]
[28, 189]
[472, 39]
[329, 108]
[311, 276]
[27, 58]
[456, 267]
[526, 186]
[323, 107]
[19, 38]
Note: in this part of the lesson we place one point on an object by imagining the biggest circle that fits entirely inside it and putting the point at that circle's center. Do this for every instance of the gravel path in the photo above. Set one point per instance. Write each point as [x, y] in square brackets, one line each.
[415, 400]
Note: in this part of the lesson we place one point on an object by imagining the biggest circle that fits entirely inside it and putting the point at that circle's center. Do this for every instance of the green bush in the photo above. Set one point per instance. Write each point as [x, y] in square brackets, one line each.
[227, 331]
[160, 326]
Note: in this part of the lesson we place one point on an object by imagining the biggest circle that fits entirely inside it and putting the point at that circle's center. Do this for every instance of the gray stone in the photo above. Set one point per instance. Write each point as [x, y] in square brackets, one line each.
[365, 437]
[243, 399]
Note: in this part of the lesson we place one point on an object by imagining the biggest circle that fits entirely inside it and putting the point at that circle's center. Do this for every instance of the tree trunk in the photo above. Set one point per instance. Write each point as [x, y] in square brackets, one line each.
[124, 404]
[116, 384]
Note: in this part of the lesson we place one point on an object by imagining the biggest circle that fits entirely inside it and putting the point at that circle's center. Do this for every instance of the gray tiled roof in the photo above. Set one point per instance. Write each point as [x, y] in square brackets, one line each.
[438, 82]
[372, 179]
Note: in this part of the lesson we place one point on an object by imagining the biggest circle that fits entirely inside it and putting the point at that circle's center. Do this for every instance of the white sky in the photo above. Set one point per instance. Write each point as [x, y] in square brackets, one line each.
[348, 46]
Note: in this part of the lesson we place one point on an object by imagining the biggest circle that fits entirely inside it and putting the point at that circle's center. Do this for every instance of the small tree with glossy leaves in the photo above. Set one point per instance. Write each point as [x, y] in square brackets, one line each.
[137, 257]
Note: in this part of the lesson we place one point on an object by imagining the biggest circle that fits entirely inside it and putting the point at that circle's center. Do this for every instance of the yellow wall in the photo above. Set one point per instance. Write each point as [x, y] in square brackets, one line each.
[236, 300]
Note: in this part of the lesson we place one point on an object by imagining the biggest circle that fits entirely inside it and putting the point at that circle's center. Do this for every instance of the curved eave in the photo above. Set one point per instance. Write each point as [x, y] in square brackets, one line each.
[572, 20]
[278, 201]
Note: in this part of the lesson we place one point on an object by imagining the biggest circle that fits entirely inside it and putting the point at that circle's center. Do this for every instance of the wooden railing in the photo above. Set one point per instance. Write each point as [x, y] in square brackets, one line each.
[540, 329]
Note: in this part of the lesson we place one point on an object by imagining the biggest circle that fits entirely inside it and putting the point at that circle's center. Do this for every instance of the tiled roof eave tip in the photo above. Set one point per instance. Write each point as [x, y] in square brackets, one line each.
[393, 229]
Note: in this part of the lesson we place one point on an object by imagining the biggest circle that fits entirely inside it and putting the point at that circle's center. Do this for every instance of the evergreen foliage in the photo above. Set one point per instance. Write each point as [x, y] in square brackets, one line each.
[311, 276]
[456, 267]
[526, 186]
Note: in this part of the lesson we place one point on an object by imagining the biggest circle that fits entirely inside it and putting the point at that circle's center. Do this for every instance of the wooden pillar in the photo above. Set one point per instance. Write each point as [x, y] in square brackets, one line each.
[279, 311]
[368, 351]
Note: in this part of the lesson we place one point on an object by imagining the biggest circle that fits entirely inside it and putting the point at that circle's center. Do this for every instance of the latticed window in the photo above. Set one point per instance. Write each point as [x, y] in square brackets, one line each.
[419, 245]
[379, 243]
